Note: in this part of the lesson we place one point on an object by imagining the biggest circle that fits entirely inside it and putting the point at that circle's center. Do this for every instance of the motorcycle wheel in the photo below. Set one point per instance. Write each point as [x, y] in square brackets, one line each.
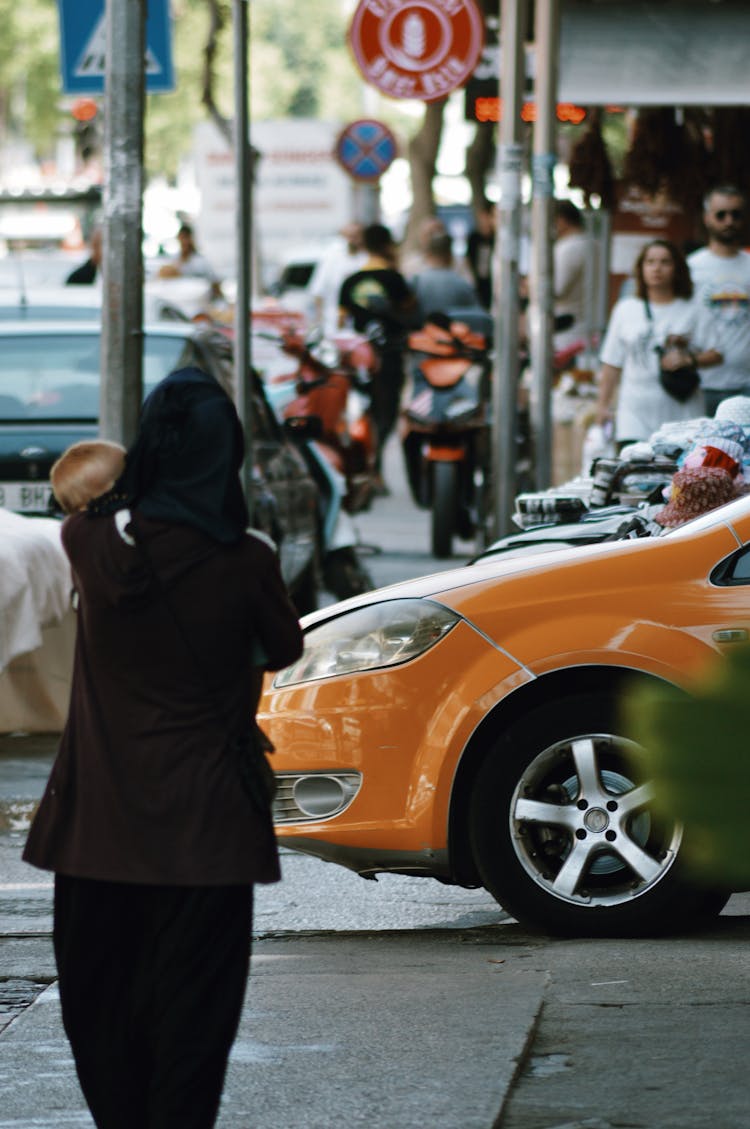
[444, 507]
[344, 575]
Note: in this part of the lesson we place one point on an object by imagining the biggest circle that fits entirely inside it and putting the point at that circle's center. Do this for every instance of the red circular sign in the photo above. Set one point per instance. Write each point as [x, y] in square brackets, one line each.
[419, 49]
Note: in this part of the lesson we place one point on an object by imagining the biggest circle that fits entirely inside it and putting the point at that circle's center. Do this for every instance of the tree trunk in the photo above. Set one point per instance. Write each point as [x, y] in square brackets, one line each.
[480, 157]
[219, 15]
[423, 151]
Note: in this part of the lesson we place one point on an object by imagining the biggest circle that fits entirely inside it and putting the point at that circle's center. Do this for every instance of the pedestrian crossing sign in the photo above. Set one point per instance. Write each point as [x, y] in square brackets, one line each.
[83, 45]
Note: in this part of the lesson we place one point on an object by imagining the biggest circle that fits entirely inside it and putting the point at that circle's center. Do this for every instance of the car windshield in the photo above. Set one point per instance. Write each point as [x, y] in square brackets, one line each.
[55, 376]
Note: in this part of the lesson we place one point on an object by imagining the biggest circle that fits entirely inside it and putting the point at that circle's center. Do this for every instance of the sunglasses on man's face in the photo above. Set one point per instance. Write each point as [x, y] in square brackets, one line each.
[729, 213]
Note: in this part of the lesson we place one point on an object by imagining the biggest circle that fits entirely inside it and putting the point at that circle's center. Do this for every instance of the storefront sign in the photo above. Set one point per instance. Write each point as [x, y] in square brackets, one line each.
[420, 49]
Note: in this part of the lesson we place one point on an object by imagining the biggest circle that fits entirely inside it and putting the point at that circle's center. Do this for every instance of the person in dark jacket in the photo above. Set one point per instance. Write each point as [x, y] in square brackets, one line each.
[155, 843]
[379, 301]
[88, 272]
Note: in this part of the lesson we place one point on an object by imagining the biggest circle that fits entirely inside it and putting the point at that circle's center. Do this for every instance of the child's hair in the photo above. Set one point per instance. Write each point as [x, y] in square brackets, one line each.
[86, 470]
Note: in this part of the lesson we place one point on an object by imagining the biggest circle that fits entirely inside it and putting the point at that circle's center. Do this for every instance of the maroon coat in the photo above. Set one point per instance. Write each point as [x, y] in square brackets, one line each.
[142, 789]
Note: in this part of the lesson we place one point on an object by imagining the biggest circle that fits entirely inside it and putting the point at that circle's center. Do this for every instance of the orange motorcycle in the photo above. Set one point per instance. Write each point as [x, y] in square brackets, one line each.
[445, 427]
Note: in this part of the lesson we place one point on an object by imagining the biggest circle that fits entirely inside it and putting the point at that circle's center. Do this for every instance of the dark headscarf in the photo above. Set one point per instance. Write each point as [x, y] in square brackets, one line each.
[183, 468]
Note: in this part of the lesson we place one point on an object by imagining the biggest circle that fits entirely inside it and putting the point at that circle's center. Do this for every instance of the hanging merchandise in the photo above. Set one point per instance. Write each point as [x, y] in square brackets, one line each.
[730, 159]
[589, 166]
[668, 156]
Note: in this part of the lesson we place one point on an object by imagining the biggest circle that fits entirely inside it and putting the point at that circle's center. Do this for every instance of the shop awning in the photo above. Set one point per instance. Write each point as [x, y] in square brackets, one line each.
[662, 53]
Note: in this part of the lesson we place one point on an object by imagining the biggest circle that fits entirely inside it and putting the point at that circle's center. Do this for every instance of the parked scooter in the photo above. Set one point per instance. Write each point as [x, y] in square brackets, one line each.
[445, 428]
[331, 377]
[321, 401]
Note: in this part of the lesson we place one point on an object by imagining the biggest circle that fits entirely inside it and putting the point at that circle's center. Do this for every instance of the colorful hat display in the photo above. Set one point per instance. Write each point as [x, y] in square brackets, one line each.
[718, 452]
[696, 491]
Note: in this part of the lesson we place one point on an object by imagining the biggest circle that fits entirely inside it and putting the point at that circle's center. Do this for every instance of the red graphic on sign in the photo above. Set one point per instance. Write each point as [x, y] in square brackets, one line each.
[420, 49]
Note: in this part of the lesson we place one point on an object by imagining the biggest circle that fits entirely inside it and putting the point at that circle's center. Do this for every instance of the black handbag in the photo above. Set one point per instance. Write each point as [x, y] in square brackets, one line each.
[680, 383]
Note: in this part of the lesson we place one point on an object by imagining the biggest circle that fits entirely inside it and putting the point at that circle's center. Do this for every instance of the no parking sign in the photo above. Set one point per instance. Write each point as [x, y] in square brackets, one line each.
[366, 149]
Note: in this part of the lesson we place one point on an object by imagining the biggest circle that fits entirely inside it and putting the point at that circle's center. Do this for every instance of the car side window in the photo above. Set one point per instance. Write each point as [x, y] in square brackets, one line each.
[733, 570]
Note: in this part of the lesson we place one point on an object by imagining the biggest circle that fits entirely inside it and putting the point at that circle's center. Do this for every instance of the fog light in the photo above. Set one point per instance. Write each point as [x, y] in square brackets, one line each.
[314, 795]
[320, 796]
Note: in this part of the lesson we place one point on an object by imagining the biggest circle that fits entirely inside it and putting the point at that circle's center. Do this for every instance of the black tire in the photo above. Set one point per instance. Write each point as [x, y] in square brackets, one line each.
[563, 833]
[415, 468]
[444, 507]
[344, 575]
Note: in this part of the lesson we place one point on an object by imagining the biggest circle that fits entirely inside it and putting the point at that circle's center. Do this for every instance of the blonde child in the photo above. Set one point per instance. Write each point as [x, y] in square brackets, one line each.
[85, 471]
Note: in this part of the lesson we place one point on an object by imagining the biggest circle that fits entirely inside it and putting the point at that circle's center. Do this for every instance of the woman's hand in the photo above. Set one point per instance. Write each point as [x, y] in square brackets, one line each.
[676, 356]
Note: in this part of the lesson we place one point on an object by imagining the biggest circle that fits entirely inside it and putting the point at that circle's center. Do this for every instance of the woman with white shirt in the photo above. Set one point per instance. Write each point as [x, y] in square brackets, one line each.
[660, 325]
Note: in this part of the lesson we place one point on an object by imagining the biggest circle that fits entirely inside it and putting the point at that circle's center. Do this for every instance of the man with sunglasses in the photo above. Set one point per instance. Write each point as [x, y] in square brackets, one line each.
[721, 278]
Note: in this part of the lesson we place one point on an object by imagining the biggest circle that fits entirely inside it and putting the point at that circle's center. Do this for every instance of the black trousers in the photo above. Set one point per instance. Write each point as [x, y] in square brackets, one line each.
[385, 397]
[152, 980]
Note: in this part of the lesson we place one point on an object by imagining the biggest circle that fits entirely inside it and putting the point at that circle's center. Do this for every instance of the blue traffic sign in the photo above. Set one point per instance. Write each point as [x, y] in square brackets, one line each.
[366, 149]
[83, 44]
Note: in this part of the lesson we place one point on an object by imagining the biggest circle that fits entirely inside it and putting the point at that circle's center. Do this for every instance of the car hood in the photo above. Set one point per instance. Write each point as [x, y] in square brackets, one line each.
[442, 584]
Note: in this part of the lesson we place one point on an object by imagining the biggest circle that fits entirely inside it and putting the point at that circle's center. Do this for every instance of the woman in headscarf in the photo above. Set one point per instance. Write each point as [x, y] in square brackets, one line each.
[154, 839]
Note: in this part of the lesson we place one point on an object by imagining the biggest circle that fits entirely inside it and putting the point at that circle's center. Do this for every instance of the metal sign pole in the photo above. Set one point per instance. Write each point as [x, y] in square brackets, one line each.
[541, 311]
[243, 181]
[122, 313]
[507, 253]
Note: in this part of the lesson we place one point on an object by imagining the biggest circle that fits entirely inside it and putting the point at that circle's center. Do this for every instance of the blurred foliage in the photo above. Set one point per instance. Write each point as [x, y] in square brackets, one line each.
[30, 73]
[696, 749]
[300, 66]
[171, 118]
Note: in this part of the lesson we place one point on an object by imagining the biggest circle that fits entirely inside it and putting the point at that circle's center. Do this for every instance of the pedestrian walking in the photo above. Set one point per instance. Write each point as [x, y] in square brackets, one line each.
[657, 327]
[345, 256]
[156, 818]
[379, 302]
[721, 278]
[88, 272]
[480, 248]
[439, 286]
[189, 263]
[569, 260]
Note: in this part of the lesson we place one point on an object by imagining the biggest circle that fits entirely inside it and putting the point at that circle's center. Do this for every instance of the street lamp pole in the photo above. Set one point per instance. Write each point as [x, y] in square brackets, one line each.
[541, 309]
[243, 180]
[122, 320]
[507, 254]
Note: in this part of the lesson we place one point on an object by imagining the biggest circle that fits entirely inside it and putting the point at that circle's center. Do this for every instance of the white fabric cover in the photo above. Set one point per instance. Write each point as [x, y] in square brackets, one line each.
[35, 582]
[37, 625]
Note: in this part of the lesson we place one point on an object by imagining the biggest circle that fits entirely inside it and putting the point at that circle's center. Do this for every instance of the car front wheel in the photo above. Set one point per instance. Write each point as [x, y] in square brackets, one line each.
[563, 829]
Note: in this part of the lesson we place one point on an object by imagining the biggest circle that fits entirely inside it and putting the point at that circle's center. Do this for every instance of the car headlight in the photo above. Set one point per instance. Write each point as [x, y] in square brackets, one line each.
[368, 639]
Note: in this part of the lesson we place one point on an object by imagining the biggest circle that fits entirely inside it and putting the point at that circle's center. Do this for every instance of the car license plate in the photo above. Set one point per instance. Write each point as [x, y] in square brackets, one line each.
[25, 497]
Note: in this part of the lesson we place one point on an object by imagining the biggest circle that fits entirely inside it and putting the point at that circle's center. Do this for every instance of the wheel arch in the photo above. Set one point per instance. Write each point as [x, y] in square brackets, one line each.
[532, 695]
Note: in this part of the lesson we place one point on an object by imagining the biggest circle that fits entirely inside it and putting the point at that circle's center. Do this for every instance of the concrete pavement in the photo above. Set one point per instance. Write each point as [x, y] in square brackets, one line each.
[388, 1031]
[489, 1028]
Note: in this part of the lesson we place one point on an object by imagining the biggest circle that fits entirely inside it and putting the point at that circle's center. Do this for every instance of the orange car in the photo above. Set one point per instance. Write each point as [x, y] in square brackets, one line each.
[466, 726]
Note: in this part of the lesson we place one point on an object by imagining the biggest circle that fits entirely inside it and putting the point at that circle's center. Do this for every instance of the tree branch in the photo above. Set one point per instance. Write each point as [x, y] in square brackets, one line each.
[218, 15]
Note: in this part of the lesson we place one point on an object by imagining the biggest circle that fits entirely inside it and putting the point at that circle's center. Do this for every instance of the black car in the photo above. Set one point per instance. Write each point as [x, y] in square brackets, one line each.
[49, 398]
